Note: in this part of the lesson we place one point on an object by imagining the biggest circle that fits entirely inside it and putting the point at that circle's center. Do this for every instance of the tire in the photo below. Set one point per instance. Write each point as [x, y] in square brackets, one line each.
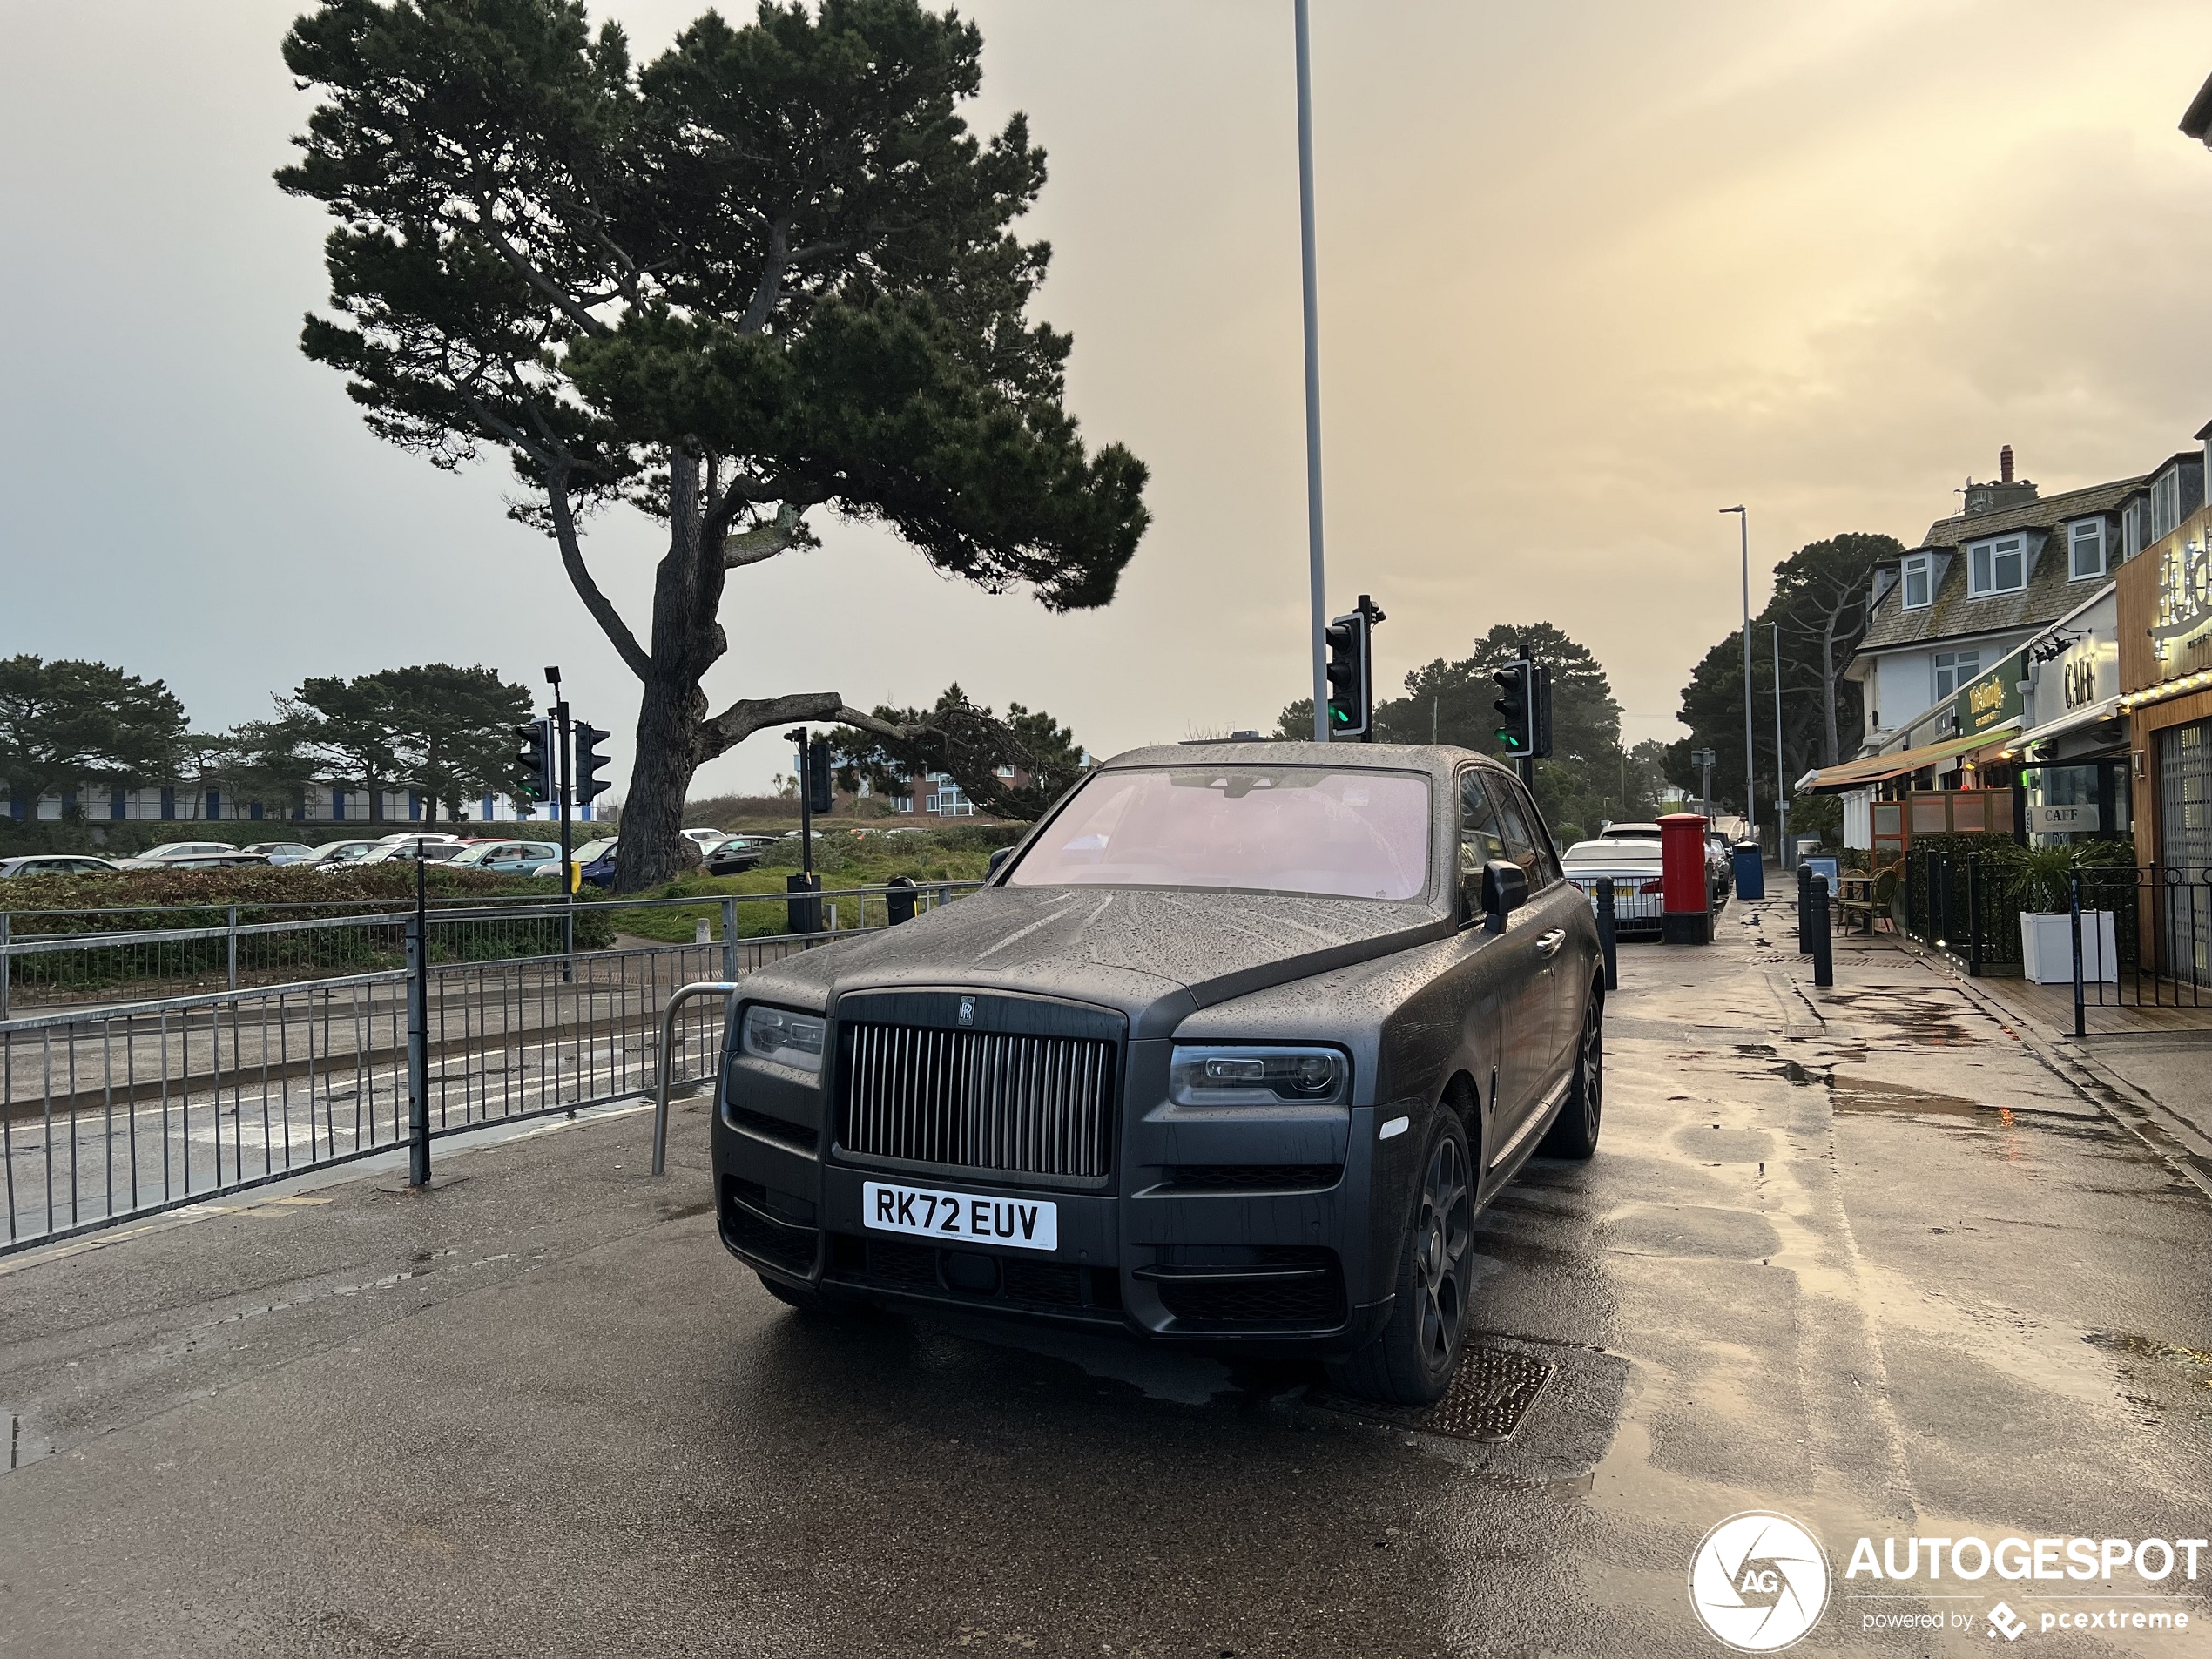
[1410, 1360]
[1573, 1132]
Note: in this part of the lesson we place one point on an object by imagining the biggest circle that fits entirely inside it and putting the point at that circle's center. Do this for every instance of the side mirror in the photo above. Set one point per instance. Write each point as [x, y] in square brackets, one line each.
[999, 856]
[1505, 889]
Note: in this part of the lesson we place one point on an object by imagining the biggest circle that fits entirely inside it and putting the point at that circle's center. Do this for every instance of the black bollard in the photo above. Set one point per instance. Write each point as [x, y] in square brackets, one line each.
[898, 899]
[1805, 909]
[1607, 942]
[1824, 961]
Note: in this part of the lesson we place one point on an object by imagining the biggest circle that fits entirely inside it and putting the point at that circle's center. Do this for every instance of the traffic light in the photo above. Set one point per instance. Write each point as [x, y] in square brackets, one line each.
[589, 762]
[1350, 684]
[1516, 731]
[534, 760]
[1540, 710]
[819, 795]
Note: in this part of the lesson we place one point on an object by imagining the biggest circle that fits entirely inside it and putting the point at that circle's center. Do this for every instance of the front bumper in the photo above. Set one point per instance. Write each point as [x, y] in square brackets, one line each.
[1219, 1230]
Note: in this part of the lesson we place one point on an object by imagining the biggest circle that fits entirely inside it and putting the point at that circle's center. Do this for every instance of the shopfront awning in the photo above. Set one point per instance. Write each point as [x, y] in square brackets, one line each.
[1874, 769]
[2089, 714]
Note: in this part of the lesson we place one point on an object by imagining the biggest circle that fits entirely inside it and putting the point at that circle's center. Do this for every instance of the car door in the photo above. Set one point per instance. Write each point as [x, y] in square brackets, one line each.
[1512, 1020]
[1553, 903]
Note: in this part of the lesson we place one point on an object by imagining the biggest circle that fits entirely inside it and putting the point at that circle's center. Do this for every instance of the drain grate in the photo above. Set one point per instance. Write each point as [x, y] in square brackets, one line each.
[1492, 1391]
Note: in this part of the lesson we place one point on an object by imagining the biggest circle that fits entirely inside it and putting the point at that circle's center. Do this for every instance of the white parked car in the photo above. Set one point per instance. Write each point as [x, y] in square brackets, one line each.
[168, 853]
[332, 855]
[706, 840]
[55, 864]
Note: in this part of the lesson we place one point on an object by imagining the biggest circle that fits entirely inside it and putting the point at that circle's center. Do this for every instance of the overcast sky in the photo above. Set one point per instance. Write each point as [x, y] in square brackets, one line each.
[1588, 272]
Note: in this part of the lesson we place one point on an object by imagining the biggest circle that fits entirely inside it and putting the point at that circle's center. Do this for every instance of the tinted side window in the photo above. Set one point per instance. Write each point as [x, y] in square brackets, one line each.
[1525, 842]
[1480, 837]
[1530, 842]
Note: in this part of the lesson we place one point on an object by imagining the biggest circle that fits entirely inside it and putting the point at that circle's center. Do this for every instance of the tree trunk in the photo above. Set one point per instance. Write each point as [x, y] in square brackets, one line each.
[1828, 733]
[660, 781]
[687, 640]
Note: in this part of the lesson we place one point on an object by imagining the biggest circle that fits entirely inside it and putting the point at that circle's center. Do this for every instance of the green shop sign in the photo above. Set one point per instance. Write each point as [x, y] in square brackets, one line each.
[1987, 703]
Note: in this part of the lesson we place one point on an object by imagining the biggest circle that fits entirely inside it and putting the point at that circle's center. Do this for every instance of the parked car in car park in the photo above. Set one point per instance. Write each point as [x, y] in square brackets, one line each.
[282, 851]
[57, 864]
[332, 855]
[507, 858]
[737, 854]
[1639, 897]
[431, 850]
[1230, 1052]
[706, 840]
[173, 852]
[594, 861]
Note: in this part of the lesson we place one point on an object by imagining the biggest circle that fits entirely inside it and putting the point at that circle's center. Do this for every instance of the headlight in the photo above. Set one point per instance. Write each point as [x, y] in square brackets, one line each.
[779, 1034]
[1215, 1075]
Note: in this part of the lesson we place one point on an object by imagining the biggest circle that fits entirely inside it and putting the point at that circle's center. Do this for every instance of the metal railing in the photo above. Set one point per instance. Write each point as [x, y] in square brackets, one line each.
[463, 1016]
[2146, 929]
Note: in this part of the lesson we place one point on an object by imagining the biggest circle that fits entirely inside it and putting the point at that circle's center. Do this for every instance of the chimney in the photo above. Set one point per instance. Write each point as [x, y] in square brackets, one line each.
[2004, 491]
[2005, 465]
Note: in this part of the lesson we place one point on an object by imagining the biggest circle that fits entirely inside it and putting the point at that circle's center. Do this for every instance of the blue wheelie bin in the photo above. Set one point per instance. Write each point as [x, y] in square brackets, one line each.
[1750, 873]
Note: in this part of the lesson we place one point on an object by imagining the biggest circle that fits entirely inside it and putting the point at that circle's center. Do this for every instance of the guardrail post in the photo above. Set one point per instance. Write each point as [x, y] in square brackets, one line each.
[418, 1047]
[1606, 941]
[230, 941]
[682, 994]
[1824, 959]
[1805, 909]
[729, 939]
[1973, 914]
[2074, 905]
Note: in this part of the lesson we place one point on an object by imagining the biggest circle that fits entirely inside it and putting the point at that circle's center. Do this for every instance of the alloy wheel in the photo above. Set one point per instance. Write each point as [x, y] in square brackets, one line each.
[1444, 1232]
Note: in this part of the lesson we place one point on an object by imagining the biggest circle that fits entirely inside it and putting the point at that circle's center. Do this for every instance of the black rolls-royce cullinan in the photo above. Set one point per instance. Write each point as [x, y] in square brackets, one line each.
[1229, 1051]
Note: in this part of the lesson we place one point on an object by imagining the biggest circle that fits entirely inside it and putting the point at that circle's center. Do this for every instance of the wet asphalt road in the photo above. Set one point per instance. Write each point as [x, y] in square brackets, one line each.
[1858, 1257]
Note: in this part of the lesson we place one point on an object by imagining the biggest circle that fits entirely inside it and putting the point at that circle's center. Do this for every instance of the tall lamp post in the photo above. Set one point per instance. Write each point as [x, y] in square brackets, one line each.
[1750, 760]
[1312, 378]
[1781, 771]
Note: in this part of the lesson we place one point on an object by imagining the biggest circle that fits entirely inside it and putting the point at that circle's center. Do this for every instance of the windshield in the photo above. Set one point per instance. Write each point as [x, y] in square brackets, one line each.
[1270, 829]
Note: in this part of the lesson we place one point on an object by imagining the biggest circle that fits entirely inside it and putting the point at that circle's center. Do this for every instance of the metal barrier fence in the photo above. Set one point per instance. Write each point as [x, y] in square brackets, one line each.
[133, 1107]
[2147, 929]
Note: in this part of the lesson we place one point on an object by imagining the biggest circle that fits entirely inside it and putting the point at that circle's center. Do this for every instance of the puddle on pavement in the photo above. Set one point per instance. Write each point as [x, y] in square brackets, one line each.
[2195, 1364]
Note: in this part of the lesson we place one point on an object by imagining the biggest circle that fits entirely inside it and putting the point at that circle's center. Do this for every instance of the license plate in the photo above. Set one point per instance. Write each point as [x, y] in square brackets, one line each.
[1025, 1223]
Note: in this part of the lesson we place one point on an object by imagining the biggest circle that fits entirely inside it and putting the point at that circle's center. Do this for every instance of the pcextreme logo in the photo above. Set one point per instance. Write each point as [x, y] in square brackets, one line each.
[1758, 1581]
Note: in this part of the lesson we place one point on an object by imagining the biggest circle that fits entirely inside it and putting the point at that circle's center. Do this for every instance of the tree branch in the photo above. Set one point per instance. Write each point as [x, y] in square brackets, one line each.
[602, 609]
[770, 288]
[760, 541]
[722, 732]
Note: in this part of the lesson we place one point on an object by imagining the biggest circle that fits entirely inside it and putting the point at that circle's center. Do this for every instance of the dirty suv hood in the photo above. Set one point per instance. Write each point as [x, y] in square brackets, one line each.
[1129, 948]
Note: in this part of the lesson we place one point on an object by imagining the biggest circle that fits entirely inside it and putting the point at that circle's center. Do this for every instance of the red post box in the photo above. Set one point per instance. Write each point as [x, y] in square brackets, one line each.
[1688, 901]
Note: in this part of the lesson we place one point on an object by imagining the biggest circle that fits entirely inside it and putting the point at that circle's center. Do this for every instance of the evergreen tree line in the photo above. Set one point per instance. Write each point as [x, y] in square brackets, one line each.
[70, 726]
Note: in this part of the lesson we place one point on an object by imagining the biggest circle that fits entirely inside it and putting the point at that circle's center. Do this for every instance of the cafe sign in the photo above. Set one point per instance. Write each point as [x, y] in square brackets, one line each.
[2184, 600]
[1985, 704]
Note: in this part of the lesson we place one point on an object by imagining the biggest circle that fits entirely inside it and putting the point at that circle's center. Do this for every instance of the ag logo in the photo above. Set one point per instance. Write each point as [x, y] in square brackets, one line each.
[1759, 1581]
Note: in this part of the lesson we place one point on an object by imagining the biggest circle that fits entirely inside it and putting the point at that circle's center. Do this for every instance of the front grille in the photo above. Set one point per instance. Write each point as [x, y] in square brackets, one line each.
[979, 1100]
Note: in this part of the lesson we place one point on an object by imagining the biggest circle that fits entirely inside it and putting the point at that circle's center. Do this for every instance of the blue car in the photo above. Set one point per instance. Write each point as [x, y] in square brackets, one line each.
[594, 861]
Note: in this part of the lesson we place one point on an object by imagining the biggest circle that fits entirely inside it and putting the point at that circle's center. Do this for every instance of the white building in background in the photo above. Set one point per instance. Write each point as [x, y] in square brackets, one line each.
[326, 803]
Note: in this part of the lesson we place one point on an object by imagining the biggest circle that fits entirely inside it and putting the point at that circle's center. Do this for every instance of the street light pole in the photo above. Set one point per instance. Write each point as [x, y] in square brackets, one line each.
[1312, 377]
[1781, 772]
[1750, 760]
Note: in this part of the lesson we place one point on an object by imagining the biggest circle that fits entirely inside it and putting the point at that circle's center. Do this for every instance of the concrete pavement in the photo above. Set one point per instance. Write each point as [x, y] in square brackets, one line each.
[1862, 1257]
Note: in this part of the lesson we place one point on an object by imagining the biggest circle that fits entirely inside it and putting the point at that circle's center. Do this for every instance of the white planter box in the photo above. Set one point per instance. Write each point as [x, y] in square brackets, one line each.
[2047, 948]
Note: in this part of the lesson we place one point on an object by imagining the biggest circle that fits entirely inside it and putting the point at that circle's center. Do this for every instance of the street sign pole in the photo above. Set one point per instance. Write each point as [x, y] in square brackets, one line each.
[1317, 595]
